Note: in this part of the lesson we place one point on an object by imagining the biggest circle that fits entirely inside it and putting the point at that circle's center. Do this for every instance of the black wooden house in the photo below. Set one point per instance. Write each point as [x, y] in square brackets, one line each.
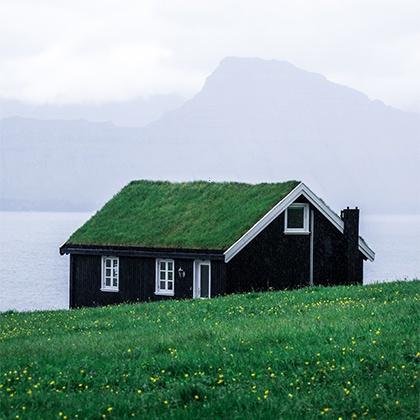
[159, 240]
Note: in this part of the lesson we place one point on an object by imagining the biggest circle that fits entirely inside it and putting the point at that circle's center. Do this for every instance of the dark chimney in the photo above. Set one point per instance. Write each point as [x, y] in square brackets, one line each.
[351, 245]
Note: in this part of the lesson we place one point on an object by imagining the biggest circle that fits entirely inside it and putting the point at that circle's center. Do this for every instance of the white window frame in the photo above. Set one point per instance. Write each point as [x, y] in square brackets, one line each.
[104, 286]
[298, 231]
[165, 291]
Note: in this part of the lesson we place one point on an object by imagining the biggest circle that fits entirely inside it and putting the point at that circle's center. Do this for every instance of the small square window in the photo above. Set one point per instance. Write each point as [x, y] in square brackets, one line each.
[296, 219]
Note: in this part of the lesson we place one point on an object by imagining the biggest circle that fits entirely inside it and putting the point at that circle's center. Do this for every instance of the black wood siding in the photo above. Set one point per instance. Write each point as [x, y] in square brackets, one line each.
[86, 282]
[183, 286]
[275, 260]
[330, 254]
[136, 280]
[218, 278]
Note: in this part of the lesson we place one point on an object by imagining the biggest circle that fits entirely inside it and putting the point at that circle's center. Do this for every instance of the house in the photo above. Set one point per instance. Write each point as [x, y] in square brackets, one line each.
[159, 240]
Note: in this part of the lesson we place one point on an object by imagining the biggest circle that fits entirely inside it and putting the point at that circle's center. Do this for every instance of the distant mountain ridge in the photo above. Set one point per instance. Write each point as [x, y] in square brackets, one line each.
[260, 120]
[254, 120]
[136, 112]
[62, 165]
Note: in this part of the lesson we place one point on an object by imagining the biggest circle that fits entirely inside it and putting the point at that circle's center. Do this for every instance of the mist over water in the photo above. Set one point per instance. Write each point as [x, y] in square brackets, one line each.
[395, 240]
[34, 276]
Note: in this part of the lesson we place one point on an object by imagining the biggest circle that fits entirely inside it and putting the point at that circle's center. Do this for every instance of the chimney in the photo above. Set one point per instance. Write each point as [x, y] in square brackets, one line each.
[351, 245]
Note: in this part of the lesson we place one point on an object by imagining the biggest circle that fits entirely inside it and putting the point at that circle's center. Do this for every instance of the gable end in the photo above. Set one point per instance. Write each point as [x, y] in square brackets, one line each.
[319, 204]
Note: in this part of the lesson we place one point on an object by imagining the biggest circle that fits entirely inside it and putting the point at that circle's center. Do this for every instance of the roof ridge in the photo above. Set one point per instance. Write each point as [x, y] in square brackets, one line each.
[203, 181]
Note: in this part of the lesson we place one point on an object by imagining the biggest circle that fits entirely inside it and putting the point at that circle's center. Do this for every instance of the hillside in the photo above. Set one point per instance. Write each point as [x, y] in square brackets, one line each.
[254, 121]
[344, 352]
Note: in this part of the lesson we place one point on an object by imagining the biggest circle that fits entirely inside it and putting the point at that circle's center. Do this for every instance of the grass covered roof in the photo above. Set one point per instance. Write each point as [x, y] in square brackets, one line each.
[190, 215]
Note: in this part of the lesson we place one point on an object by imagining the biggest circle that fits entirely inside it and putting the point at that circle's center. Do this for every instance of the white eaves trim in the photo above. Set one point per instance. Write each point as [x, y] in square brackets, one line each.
[319, 204]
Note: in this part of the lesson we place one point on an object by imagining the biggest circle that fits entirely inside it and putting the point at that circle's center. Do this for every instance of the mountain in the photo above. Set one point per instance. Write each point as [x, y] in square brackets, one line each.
[254, 120]
[137, 112]
[259, 120]
[63, 165]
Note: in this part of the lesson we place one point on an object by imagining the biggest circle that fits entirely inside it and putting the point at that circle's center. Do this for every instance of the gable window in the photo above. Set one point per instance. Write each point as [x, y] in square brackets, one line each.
[165, 274]
[296, 218]
[110, 274]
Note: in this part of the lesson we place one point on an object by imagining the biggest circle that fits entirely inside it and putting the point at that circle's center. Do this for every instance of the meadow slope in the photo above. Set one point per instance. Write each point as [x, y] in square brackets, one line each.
[342, 352]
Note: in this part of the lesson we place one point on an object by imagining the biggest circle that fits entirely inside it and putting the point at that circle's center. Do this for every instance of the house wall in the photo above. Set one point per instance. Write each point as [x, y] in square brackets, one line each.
[136, 280]
[277, 260]
[330, 255]
[272, 260]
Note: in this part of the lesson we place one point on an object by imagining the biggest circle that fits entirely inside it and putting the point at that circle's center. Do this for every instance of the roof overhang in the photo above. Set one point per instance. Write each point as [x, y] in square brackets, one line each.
[318, 203]
[132, 251]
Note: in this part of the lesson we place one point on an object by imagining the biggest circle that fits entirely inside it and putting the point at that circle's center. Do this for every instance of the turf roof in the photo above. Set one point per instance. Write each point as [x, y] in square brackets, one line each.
[189, 215]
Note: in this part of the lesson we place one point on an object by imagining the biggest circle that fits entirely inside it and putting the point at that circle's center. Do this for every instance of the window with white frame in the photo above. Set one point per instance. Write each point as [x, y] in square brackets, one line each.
[110, 274]
[296, 218]
[165, 275]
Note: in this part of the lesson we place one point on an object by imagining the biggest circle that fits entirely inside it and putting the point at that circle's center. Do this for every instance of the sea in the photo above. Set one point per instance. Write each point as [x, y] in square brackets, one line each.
[34, 276]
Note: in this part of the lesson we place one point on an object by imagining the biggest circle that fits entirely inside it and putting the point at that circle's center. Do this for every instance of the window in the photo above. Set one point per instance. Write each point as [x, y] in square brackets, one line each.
[110, 274]
[165, 271]
[296, 218]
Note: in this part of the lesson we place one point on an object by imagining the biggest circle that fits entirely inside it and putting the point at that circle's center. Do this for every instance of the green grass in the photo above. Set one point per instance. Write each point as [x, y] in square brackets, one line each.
[349, 352]
[195, 215]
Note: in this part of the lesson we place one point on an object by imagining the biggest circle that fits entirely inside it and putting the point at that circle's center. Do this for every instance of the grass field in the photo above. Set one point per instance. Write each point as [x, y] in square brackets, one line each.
[343, 352]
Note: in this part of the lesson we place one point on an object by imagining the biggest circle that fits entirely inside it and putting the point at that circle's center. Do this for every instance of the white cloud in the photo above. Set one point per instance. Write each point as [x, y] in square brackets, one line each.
[103, 50]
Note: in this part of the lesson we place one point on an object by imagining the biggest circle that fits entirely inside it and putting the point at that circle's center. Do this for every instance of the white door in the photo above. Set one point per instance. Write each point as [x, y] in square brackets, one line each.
[202, 279]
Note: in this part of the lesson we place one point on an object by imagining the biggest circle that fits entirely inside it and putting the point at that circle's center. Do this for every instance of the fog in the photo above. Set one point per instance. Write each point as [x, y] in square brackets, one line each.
[254, 120]
[144, 90]
[103, 51]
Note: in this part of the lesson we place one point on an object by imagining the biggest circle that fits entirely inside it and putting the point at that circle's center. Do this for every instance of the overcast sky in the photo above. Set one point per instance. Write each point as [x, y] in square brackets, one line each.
[104, 50]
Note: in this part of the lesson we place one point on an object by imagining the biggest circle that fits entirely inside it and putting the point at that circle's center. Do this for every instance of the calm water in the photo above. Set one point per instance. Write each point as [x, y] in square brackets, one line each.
[34, 276]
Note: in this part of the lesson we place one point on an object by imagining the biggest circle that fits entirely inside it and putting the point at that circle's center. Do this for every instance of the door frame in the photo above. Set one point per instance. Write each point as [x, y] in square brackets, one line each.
[196, 278]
